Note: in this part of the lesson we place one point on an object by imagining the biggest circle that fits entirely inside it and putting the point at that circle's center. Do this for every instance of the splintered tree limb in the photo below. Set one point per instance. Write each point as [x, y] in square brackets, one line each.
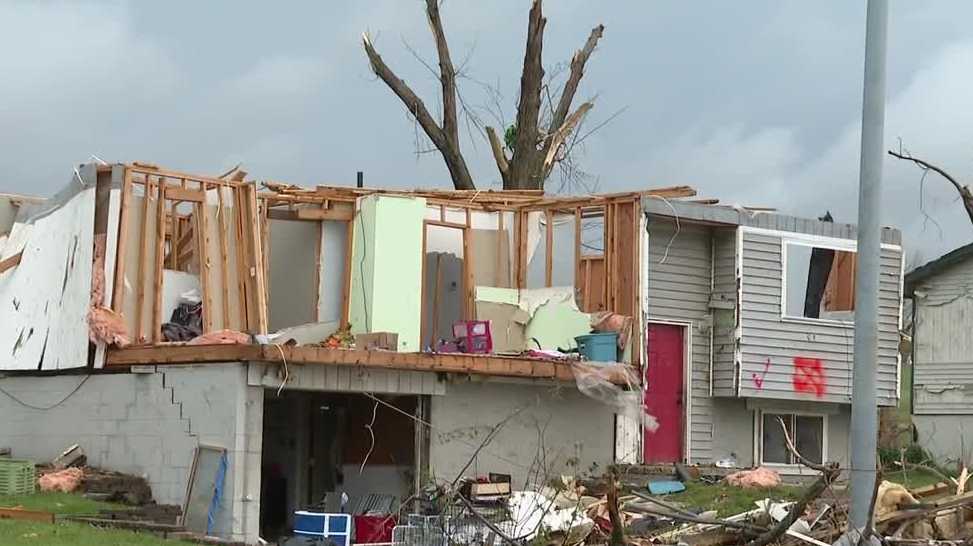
[529, 106]
[964, 191]
[558, 138]
[577, 71]
[829, 473]
[447, 74]
[498, 154]
[618, 529]
[450, 151]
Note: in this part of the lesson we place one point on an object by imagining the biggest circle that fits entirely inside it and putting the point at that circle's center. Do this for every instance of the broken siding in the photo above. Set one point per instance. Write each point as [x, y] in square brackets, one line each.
[44, 300]
[724, 303]
[679, 287]
[943, 369]
[770, 344]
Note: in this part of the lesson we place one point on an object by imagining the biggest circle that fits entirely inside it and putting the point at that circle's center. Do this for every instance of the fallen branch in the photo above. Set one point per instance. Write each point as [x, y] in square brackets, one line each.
[829, 473]
[679, 514]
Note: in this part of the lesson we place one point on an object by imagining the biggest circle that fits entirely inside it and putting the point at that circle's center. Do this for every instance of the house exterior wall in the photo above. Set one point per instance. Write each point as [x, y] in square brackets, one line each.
[942, 345]
[679, 287]
[556, 430]
[770, 344]
[725, 308]
[143, 424]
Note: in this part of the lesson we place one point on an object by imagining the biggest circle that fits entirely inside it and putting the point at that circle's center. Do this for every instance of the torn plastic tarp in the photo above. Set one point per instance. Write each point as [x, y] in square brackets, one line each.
[616, 385]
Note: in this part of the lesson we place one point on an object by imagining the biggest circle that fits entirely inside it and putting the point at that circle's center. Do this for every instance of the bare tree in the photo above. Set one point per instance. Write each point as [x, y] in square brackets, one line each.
[536, 143]
[964, 191]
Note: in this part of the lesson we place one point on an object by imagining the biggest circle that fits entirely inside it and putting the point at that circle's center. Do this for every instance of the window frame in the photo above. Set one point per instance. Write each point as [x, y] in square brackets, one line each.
[837, 245]
[759, 435]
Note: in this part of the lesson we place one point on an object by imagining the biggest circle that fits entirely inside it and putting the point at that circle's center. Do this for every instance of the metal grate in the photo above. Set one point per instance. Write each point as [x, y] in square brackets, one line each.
[17, 477]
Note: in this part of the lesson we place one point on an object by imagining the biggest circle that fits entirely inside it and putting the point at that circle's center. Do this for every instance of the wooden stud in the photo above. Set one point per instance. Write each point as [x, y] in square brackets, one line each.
[182, 194]
[10, 262]
[202, 246]
[243, 277]
[455, 225]
[577, 248]
[468, 259]
[317, 270]
[436, 289]
[224, 259]
[423, 290]
[349, 248]
[160, 254]
[549, 243]
[118, 294]
[143, 255]
[499, 264]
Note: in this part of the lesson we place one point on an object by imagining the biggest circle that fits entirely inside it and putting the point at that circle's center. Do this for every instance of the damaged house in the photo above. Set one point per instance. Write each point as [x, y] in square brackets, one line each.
[255, 351]
[942, 380]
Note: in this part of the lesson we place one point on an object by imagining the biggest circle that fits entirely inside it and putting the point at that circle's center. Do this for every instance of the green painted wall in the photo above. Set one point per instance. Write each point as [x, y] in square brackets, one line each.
[386, 268]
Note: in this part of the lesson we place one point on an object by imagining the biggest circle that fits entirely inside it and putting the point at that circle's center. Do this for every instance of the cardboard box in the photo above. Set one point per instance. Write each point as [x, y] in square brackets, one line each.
[388, 341]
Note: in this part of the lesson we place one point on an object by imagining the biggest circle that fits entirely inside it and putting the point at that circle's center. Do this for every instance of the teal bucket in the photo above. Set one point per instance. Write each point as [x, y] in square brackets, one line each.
[599, 347]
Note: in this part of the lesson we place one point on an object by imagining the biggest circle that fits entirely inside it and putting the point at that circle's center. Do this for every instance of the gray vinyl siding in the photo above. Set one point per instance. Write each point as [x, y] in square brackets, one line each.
[943, 358]
[679, 288]
[725, 320]
[767, 336]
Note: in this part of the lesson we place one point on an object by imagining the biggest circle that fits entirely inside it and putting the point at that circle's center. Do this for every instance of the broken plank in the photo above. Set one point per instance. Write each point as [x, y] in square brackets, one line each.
[11, 262]
[182, 194]
[26, 515]
[342, 213]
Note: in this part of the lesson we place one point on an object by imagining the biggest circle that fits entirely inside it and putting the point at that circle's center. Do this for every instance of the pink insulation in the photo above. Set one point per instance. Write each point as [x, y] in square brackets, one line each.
[65, 481]
[758, 477]
[221, 337]
[105, 325]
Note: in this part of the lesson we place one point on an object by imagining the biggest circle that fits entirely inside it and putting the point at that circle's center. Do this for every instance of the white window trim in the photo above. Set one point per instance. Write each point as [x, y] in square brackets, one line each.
[759, 435]
[784, 242]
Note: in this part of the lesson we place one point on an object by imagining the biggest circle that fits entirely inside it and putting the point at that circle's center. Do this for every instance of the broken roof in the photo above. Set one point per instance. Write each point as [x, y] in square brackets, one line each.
[934, 267]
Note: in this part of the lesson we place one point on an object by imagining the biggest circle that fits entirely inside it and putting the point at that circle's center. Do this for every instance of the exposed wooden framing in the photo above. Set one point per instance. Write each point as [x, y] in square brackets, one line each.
[445, 224]
[176, 175]
[342, 214]
[183, 194]
[521, 239]
[143, 255]
[468, 259]
[442, 213]
[258, 225]
[309, 354]
[118, 295]
[436, 288]
[160, 254]
[498, 279]
[549, 243]
[243, 285]
[205, 263]
[349, 252]
[423, 291]
[264, 239]
[577, 248]
[224, 258]
[10, 262]
[173, 236]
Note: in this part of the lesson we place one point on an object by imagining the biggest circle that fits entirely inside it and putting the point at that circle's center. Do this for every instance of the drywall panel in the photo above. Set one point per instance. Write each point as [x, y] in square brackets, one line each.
[387, 268]
[293, 283]
[44, 300]
[331, 279]
[490, 268]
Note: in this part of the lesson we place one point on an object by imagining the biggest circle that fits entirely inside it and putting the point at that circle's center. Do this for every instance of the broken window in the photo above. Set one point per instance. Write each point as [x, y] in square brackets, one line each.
[819, 282]
[806, 431]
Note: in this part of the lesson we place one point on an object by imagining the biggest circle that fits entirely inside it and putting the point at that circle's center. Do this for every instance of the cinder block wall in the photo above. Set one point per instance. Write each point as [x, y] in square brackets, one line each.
[558, 430]
[146, 424]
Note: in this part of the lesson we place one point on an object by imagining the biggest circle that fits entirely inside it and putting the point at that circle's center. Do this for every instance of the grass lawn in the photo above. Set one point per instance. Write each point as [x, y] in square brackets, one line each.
[912, 479]
[64, 533]
[729, 500]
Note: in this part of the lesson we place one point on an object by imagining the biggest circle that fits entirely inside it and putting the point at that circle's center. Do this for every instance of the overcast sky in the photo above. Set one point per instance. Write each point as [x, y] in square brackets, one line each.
[752, 102]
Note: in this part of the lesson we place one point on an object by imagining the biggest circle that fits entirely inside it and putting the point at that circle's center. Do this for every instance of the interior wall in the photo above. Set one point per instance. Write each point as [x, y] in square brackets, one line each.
[331, 287]
[448, 296]
[293, 277]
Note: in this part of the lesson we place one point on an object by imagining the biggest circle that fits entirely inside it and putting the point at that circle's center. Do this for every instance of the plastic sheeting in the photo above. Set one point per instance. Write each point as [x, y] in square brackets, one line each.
[616, 385]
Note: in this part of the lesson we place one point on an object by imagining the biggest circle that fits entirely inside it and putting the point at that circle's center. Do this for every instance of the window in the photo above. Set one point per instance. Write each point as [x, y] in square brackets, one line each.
[807, 432]
[819, 282]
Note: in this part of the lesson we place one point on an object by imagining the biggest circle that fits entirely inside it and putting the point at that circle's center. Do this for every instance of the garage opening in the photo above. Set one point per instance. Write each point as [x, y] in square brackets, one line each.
[335, 452]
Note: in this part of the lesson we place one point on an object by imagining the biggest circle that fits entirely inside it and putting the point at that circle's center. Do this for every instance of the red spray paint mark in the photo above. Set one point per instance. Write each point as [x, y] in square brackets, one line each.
[758, 379]
[809, 376]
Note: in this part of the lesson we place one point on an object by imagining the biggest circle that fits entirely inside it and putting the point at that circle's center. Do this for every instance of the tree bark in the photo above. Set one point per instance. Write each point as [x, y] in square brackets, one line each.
[446, 137]
[529, 107]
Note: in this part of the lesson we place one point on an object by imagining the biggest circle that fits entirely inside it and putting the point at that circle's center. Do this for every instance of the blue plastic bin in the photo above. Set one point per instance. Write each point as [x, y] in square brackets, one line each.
[337, 527]
[599, 347]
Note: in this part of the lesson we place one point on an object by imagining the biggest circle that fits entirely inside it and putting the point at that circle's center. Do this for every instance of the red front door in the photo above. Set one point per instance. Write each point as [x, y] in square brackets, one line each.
[664, 393]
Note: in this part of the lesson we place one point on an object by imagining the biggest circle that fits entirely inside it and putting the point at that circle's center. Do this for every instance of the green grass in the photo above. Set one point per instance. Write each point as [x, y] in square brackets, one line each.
[727, 499]
[914, 478]
[62, 504]
[64, 533]
[24, 533]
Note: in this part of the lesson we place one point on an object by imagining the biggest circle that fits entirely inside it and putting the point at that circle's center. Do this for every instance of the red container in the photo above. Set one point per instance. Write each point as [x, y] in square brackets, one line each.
[473, 336]
[374, 529]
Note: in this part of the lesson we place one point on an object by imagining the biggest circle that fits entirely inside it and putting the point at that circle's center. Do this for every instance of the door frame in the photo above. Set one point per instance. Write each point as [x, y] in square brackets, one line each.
[687, 376]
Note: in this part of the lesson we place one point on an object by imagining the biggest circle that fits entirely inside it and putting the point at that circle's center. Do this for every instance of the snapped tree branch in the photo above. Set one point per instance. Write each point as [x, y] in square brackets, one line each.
[964, 191]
